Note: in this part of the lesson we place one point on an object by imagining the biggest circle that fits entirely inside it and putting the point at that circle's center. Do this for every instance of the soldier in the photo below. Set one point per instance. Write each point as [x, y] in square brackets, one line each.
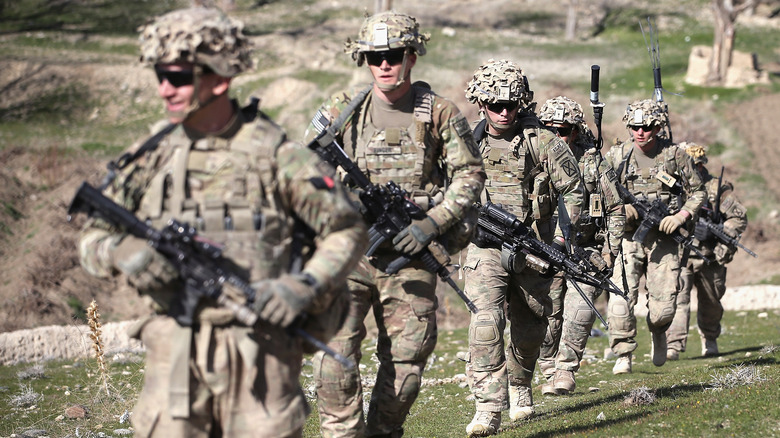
[232, 173]
[528, 168]
[652, 167]
[600, 231]
[709, 276]
[403, 132]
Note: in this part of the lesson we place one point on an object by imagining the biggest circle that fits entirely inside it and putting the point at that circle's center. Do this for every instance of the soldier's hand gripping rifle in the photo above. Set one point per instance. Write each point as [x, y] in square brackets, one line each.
[389, 210]
[200, 263]
[503, 229]
[650, 216]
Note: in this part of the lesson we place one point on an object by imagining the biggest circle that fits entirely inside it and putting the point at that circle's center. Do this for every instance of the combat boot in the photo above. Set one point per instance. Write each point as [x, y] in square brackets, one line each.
[659, 348]
[672, 354]
[521, 402]
[485, 423]
[548, 387]
[622, 364]
[564, 382]
[709, 347]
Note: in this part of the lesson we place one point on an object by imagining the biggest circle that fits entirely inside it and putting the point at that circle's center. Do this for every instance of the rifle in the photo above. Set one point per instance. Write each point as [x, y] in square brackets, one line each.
[388, 209]
[200, 263]
[503, 229]
[716, 230]
[651, 214]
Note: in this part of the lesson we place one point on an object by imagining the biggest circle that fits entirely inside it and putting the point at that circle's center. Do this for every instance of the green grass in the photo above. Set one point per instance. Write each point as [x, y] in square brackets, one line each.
[687, 403]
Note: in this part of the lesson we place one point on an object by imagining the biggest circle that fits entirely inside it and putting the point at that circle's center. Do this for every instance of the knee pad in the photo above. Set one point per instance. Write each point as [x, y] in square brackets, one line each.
[409, 388]
[486, 351]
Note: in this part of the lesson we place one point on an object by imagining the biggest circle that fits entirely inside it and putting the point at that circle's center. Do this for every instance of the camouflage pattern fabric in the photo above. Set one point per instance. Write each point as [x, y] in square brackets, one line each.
[489, 285]
[432, 150]
[645, 112]
[198, 35]
[249, 172]
[386, 31]
[709, 278]
[656, 259]
[499, 81]
[572, 319]
[514, 173]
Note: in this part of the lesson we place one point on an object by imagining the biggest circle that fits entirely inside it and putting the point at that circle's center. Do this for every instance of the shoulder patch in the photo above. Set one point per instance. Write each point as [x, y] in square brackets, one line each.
[569, 167]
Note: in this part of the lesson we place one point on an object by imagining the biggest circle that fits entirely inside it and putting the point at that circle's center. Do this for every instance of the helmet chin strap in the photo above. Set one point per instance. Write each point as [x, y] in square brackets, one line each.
[401, 77]
[195, 104]
[496, 126]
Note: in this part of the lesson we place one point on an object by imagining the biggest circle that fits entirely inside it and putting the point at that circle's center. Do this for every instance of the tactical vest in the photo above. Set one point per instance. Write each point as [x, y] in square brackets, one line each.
[227, 189]
[516, 177]
[403, 155]
[663, 180]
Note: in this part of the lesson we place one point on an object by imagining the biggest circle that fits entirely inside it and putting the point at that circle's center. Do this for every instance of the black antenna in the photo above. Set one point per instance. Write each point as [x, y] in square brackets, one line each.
[654, 49]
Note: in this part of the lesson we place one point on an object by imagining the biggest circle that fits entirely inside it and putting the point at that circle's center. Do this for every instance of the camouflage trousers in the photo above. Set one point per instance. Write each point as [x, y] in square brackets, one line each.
[710, 282]
[568, 327]
[233, 381]
[489, 369]
[659, 263]
[404, 307]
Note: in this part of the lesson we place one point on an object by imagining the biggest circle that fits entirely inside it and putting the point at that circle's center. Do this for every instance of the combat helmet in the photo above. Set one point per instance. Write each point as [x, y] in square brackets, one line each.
[386, 31]
[561, 109]
[645, 112]
[499, 81]
[696, 151]
[204, 37]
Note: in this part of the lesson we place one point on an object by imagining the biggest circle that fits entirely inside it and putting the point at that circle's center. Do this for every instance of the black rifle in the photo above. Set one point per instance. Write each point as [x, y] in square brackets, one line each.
[200, 263]
[500, 228]
[650, 215]
[388, 209]
[716, 230]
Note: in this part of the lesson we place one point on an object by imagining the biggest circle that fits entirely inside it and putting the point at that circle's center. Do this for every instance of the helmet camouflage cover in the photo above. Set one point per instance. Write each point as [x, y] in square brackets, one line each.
[202, 36]
[497, 81]
[696, 151]
[386, 31]
[561, 109]
[645, 112]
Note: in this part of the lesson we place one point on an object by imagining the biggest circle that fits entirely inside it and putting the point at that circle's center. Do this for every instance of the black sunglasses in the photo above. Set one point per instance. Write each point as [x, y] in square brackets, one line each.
[646, 128]
[175, 78]
[564, 131]
[498, 107]
[393, 57]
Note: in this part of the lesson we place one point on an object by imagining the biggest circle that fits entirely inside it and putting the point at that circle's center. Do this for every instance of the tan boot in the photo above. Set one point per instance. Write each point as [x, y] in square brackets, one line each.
[622, 364]
[672, 354]
[521, 402]
[485, 423]
[659, 348]
[564, 382]
[548, 387]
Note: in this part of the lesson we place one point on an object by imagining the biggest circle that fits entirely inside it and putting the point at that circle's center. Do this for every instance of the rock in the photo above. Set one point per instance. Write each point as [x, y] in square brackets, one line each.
[76, 411]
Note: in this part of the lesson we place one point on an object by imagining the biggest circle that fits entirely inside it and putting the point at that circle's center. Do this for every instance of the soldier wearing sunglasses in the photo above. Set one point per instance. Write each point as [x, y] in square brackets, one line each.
[400, 131]
[650, 166]
[231, 173]
[529, 167]
[601, 229]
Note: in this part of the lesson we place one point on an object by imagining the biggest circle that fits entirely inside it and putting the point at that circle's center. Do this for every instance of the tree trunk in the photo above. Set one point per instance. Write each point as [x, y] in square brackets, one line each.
[382, 5]
[571, 21]
[725, 13]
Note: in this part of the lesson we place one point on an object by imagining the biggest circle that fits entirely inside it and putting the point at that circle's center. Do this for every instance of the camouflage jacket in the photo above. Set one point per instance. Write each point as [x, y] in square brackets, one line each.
[673, 178]
[733, 214]
[436, 153]
[601, 194]
[245, 190]
[529, 176]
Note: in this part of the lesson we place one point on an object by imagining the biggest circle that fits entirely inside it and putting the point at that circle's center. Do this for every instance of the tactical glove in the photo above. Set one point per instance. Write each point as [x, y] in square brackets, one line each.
[631, 214]
[145, 268]
[701, 232]
[416, 236]
[723, 254]
[283, 299]
[609, 257]
[671, 223]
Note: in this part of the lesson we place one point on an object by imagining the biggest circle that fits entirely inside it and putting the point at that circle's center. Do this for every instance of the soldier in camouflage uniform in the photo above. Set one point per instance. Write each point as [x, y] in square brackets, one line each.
[402, 132]
[232, 173]
[528, 168]
[570, 323]
[651, 167]
[709, 276]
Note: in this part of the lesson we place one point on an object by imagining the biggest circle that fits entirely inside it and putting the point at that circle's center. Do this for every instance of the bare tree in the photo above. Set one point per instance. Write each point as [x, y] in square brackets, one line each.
[571, 20]
[725, 12]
